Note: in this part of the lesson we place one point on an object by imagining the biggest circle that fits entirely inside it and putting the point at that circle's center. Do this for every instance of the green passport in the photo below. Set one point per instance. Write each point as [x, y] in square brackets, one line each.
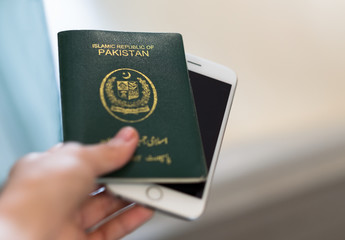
[114, 79]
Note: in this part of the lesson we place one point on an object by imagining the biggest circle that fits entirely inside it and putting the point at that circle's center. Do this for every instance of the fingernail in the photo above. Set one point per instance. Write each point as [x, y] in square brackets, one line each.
[126, 134]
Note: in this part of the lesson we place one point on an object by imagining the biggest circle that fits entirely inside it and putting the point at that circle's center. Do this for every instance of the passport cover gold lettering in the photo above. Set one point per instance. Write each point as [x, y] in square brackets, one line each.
[114, 79]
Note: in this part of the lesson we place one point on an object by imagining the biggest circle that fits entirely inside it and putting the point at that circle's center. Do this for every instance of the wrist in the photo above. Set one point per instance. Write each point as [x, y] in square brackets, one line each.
[17, 219]
[10, 230]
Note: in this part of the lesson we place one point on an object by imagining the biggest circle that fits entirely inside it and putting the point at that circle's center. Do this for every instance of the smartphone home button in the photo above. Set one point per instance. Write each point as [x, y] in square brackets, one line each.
[154, 193]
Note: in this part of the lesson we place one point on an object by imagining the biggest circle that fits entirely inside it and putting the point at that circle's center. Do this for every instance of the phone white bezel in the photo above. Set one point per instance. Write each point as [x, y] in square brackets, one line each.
[168, 200]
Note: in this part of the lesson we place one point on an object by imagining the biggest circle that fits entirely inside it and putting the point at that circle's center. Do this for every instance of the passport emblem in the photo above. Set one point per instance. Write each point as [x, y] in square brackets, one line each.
[128, 95]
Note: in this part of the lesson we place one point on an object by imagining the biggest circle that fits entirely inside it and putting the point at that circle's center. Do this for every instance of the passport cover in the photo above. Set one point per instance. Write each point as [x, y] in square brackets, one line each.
[114, 79]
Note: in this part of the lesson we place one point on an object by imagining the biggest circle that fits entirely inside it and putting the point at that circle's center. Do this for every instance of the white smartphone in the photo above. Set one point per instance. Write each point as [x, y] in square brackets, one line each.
[213, 88]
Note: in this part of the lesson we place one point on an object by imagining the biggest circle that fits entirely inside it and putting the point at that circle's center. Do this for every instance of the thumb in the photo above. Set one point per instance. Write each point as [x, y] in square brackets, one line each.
[110, 156]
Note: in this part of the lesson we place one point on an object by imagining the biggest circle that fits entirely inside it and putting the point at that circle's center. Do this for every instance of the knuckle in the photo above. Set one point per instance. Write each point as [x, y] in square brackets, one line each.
[72, 145]
[23, 163]
[74, 148]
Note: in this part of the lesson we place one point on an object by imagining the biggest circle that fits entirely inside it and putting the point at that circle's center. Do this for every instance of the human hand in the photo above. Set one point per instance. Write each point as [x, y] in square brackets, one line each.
[47, 194]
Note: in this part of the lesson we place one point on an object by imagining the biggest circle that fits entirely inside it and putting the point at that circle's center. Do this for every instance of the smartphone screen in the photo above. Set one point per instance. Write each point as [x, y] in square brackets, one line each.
[210, 97]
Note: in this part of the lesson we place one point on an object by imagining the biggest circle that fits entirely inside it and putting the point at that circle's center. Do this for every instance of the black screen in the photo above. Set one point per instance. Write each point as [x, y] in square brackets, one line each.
[210, 97]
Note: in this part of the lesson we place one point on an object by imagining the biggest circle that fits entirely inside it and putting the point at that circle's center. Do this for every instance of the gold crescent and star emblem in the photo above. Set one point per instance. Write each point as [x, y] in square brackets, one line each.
[126, 77]
[128, 95]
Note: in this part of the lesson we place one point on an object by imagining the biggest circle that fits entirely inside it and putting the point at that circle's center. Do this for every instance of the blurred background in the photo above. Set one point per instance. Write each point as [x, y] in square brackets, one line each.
[281, 171]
